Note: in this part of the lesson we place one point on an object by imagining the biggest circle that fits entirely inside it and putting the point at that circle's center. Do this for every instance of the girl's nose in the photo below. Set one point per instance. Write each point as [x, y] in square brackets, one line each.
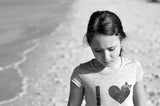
[106, 55]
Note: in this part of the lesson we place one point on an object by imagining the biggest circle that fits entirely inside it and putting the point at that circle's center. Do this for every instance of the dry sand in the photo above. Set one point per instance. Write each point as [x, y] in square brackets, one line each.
[50, 85]
[141, 23]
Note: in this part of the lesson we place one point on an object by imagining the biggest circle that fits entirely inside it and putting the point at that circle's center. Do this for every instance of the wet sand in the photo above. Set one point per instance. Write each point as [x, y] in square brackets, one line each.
[22, 24]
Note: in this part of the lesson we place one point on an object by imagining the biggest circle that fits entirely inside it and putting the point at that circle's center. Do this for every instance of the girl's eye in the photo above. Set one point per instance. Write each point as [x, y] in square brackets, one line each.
[111, 49]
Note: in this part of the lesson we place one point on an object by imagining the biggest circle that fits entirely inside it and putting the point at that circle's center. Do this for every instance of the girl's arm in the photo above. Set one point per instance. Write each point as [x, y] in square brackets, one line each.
[139, 97]
[75, 96]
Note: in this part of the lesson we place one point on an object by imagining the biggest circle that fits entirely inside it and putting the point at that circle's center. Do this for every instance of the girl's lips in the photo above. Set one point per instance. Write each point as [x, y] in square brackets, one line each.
[107, 62]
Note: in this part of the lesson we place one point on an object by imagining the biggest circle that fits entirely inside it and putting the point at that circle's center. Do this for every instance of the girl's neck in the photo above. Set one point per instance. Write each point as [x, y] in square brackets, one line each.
[99, 67]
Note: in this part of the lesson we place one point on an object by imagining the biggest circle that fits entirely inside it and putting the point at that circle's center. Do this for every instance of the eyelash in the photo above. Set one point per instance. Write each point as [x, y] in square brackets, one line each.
[108, 49]
[97, 50]
[112, 49]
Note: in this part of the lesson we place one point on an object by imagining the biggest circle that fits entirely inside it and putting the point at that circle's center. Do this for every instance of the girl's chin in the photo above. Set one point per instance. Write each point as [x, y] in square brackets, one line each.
[106, 64]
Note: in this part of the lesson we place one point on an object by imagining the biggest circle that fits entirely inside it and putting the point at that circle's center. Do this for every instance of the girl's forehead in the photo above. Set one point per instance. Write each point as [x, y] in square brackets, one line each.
[103, 41]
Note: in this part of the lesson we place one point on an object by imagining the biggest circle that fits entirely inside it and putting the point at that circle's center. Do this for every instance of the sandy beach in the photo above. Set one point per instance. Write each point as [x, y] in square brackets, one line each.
[47, 69]
[141, 23]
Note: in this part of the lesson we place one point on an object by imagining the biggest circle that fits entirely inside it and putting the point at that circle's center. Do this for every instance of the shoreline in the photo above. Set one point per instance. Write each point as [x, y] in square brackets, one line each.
[17, 65]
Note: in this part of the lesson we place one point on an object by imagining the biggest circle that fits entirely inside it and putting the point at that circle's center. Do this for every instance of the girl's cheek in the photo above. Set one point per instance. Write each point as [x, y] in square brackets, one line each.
[99, 56]
[115, 55]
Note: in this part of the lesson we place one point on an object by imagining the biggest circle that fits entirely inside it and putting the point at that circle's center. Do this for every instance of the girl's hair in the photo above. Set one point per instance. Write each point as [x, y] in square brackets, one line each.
[106, 23]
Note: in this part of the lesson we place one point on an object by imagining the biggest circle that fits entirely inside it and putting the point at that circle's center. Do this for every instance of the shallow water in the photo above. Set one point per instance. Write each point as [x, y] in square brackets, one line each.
[24, 20]
[22, 24]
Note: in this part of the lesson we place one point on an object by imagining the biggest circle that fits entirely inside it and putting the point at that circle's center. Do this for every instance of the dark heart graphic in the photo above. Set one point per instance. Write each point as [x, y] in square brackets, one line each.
[119, 94]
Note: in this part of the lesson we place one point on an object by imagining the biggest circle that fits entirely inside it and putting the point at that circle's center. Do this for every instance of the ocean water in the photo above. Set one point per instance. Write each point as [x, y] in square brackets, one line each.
[22, 24]
[25, 20]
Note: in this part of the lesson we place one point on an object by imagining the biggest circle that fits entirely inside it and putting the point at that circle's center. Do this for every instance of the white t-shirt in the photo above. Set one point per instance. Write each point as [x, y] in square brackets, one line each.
[112, 88]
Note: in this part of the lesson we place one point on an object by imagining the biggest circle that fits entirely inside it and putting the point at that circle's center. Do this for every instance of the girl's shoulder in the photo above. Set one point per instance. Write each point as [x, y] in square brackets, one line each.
[130, 61]
[83, 67]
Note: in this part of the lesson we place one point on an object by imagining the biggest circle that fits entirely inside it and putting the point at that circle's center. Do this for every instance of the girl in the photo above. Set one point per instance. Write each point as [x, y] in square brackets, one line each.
[109, 79]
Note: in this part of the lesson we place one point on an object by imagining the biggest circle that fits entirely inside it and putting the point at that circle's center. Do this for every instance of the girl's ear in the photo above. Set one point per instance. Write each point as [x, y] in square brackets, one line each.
[121, 43]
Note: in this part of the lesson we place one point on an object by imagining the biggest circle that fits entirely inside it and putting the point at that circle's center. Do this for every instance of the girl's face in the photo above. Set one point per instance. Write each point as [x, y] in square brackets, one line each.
[106, 49]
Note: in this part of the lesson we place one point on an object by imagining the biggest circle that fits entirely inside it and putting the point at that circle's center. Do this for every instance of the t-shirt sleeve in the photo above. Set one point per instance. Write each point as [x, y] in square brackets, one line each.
[139, 72]
[75, 77]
